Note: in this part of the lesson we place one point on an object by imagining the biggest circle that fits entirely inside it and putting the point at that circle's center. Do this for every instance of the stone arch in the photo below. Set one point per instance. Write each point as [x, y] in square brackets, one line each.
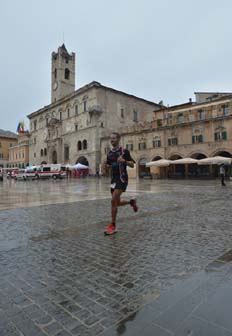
[175, 156]
[198, 156]
[222, 152]
[83, 160]
[156, 158]
[43, 162]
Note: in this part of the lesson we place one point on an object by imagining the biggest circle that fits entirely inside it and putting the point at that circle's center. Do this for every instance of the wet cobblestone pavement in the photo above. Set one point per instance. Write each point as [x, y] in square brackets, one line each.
[61, 276]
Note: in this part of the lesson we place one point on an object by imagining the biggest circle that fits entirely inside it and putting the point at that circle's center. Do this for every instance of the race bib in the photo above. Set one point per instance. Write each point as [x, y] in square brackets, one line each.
[113, 185]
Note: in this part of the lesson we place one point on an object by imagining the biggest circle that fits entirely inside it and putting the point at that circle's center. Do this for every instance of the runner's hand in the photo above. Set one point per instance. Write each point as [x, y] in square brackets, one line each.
[121, 160]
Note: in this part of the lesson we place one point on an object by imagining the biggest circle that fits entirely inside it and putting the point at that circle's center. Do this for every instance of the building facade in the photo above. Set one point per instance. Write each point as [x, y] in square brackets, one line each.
[196, 130]
[19, 153]
[70, 129]
[7, 140]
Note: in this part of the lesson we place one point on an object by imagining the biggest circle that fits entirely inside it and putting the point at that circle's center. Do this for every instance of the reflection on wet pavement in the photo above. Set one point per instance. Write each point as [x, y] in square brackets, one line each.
[61, 276]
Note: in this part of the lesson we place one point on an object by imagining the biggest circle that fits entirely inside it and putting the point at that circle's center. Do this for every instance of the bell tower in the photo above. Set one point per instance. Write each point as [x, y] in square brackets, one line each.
[63, 73]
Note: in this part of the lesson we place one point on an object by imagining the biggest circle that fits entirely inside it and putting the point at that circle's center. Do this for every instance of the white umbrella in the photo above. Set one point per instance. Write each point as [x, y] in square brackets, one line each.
[184, 161]
[215, 160]
[158, 163]
[79, 166]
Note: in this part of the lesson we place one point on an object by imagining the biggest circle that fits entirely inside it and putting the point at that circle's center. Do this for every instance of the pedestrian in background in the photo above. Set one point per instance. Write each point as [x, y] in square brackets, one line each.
[222, 174]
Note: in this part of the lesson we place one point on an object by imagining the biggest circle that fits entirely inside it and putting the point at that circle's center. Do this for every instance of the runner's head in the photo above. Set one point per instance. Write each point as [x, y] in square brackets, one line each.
[114, 139]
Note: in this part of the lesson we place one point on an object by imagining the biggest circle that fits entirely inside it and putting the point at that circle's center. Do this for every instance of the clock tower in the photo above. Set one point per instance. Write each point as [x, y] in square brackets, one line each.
[63, 73]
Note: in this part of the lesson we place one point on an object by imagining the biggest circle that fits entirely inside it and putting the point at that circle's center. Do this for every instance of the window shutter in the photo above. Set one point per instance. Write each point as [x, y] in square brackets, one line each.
[200, 138]
[193, 139]
[215, 136]
[224, 135]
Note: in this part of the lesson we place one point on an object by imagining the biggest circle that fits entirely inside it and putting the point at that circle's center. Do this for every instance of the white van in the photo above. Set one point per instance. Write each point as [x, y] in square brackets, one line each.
[50, 171]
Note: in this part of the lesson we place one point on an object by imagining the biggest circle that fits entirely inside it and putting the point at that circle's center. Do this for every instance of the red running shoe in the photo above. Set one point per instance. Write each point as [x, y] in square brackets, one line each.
[133, 204]
[110, 230]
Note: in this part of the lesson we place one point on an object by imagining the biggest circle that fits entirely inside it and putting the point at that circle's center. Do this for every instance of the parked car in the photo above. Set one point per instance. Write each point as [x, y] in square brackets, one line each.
[1, 175]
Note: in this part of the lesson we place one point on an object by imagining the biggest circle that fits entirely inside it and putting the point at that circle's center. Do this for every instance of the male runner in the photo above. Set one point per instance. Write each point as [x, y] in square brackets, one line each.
[118, 158]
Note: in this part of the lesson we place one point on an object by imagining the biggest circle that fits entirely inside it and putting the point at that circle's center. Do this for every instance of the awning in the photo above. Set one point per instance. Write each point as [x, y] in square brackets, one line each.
[184, 161]
[158, 163]
[216, 160]
[79, 166]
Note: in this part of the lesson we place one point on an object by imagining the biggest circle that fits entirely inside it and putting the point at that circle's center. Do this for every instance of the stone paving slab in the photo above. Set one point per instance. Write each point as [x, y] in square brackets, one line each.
[61, 276]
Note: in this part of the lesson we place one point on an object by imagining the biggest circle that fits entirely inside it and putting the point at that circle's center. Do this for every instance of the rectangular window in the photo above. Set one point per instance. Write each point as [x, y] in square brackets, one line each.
[34, 140]
[220, 136]
[34, 155]
[76, 127]
[135, 116]
[85, 105]
[201, 114]
[76, 110]
[224, 135]
[180, 118]
[60, 115]
[225, 110]
[68, 113]
[35, 125]
[130, 147]
[46, 169]
[156, 143]
[172, 141]
[142, 145]
[197, 139]
[122, 113]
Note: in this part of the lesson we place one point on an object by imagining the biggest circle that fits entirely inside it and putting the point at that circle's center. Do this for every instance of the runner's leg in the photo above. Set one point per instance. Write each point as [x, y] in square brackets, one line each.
[114, 204]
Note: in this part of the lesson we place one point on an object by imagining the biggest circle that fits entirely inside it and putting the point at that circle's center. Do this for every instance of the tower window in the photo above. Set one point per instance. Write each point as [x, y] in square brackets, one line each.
[66, 73]
[79, 145]
[60, 115]
[68, 113]
[85, 105]
[55, 73]
[135, 116]
[76, 110]
[85, 144]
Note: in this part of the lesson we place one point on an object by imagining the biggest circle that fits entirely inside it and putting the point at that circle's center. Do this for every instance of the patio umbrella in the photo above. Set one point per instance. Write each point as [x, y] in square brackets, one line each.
[79, 166]
[184, 161]
[158, 163]
[216, 160]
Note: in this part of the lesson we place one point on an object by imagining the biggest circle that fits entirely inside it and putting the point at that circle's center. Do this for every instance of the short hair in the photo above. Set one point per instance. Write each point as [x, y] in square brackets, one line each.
[117, 134]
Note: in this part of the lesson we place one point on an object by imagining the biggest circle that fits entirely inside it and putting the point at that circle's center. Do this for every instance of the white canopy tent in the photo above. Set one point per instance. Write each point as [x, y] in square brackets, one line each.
[216, 160]
[158, 163]
[184, 161]
[79, 166]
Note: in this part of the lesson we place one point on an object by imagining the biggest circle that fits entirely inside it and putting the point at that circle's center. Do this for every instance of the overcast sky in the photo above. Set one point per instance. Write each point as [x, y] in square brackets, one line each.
[155, 49]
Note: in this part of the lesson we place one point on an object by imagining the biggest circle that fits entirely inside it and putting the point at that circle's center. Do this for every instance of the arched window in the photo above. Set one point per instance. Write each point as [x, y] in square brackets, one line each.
[66, 74]
[84, 144]
[41, 152]
[79, 145]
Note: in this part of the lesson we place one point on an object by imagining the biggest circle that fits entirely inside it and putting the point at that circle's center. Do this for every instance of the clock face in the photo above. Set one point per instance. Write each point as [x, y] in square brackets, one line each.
[55, 85]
